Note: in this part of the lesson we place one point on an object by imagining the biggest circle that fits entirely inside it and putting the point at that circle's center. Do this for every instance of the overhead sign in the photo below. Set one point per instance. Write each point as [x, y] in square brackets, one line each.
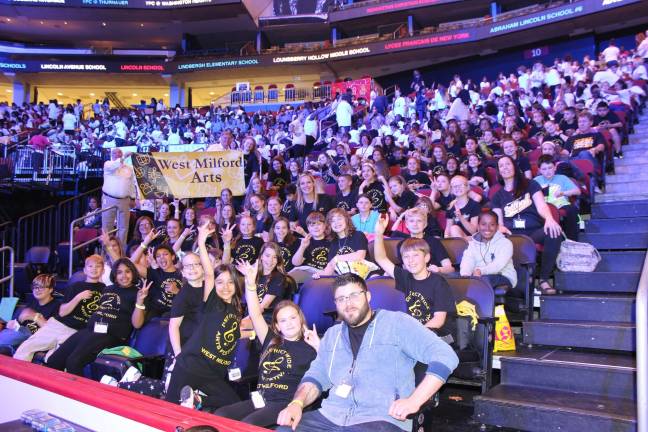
[383, 8]
[189, 175]
[135, 4]
[81, 66]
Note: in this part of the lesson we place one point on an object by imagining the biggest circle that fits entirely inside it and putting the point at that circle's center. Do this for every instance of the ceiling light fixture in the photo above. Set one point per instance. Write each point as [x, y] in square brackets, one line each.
[103, 24]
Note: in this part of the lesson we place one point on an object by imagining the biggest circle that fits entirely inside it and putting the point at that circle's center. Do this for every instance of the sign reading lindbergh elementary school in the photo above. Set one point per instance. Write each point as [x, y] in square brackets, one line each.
[189, 175]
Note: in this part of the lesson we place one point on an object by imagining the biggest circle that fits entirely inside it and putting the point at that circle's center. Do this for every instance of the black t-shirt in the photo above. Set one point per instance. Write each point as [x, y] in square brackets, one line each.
[188, 304]
[521, 208]
[432, 229]
[444, 201]
[247, 249]
[437, 251]
[568, 127]
[287, 252]
[78, 318]
[523, 164]
[609, 118]
[356, 334]
[282, 367]
[580, 142]
[406, 200]
[162, 292]
[324, 204]
[347, 202]
[349, 244]
[424, 297]
[115, 309]
[470, 210]
[279, 180]
[273, 284]
[316, 254]
[48, 310]
[376, 193]
[211, 348]
[479, 172]
[419, 177]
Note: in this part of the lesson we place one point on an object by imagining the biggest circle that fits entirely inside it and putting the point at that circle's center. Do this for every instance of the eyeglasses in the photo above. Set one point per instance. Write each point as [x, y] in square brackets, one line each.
[191, 265]
[39, 288]
[353, 297]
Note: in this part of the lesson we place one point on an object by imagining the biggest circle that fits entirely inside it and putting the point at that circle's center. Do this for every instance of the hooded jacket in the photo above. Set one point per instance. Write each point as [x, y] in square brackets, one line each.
[492, 257]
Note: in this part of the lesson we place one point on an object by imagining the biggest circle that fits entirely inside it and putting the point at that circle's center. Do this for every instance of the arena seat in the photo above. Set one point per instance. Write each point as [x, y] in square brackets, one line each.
[524, 261]
[455, 246]
[390, 249]
[316, 301]
[151, 341]
[385, 296]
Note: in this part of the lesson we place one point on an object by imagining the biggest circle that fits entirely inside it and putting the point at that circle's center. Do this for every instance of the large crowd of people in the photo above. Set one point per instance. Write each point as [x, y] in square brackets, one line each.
[477, 161]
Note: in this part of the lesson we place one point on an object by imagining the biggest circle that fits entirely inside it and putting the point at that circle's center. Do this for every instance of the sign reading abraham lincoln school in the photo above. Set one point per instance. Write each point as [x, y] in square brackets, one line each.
[189, 175]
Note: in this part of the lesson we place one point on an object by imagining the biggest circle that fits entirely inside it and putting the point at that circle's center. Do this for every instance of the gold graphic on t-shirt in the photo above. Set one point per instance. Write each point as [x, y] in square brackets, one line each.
[285, 254]
[90, 305]
[320, 257]
[583, 143]
[517, 206]
[225, 339]
[274, 370]
[262, 289]
[418, 306]
[345, 250]
[245, 252]
[170, 287]
[343, 205]
[376, 197]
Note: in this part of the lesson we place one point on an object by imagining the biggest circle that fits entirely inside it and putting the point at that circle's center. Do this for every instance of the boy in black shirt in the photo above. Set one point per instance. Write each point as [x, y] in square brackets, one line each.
[606, 119]
[313, 251]
[81, 300]
[428, 295]
[586, 143]
[416, 222]
[33, 317]
[346, 197]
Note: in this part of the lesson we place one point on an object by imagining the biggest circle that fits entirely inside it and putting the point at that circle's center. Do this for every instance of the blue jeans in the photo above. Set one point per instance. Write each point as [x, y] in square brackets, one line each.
[11, 339]
[313, 421]
[586, 155]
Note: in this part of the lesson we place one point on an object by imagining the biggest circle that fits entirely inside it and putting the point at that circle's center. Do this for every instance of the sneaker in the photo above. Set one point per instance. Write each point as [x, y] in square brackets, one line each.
[187, 397]
[597, 190]
[190, 398]
[132, 374]
[108, 380]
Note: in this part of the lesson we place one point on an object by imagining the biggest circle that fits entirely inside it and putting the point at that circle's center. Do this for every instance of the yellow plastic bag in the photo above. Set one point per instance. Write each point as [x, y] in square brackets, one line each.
[504, 340]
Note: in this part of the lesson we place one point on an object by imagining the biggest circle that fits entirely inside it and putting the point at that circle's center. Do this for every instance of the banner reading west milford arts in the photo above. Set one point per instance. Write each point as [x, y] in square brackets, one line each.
[189, 175]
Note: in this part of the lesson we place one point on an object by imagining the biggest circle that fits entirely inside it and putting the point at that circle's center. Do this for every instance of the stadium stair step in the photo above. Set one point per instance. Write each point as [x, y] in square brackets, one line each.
[621, 225]
[537, 409]
[629, 208]
[626, 178]
[617, 336]
[616, 240]
[588, 307]
[573, 371]
[614, 281]
[578, 372]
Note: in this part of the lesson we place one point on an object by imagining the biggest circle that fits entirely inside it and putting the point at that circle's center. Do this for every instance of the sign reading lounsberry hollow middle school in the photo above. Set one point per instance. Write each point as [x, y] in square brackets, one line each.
[189, 175]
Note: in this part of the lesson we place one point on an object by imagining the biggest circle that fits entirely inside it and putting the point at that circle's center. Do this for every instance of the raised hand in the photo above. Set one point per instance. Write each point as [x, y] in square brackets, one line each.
[143, 292]
[381, 224]
[204, 231]
[305, 242]
[151, 236]
[249, 271]
[228, 233]
[311, 337]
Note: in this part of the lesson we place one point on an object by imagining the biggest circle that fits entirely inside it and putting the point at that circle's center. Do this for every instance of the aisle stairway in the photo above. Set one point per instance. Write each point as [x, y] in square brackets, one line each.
[628, 181]
[577, 370]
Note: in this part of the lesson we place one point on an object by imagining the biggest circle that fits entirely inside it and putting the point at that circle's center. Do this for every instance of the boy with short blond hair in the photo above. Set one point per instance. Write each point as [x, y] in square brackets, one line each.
[79, 303]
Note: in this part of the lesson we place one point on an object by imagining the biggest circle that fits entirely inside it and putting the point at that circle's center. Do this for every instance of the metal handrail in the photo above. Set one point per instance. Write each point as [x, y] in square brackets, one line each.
[21, 221]
[12, 261]
[641, 313]
[74, 247]
[64, 214]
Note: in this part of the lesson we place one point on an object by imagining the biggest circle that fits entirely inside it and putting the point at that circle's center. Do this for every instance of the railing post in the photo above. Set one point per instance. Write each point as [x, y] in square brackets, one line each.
[72, 247]
[10, 277]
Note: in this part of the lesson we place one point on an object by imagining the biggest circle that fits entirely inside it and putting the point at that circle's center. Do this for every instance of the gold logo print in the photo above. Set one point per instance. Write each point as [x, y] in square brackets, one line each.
[143, 159]
[285, 254]
[517, 206]
[245, 252]
[415, 309]
[226, 342]
[110, 301]
[320, 256]
[418, 306]
[146, 188]
[229, 336]
[139, 172]
[90, 305]
[272, 366]
[376, 198]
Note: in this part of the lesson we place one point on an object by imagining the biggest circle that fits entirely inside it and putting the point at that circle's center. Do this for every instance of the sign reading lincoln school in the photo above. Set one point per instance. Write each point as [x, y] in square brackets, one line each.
[189, 175]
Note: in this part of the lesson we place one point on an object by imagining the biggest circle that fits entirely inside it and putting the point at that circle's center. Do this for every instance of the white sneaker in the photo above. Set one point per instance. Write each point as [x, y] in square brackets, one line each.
[132, 374]
[108, 380]
[597, 190]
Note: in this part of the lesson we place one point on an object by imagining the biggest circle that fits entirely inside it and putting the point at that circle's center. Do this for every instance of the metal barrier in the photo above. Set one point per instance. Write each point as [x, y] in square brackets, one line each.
[10, 277]
[6, 236]
[35, 229]
[70, 209]
[74, 247]
[641, 313]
